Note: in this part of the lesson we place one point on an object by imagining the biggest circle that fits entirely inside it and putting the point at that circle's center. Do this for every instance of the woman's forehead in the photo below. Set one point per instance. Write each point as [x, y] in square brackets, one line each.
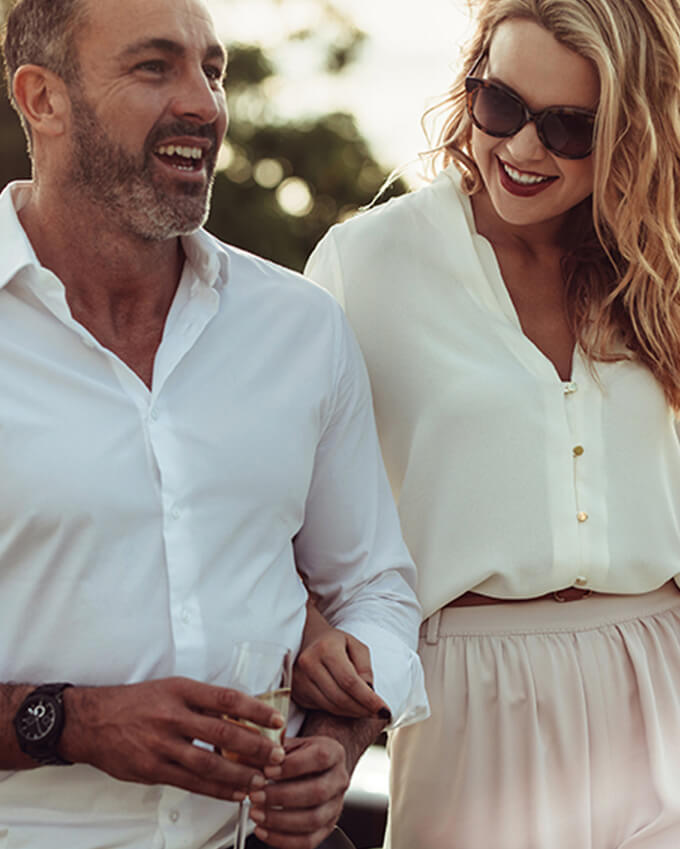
[529, 59]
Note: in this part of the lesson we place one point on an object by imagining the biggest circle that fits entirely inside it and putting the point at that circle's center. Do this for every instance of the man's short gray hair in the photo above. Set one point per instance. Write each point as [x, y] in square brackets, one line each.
[43, 32]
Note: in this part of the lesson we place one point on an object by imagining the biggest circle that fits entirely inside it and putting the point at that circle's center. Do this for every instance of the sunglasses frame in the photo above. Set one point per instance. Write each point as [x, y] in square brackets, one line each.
[474, 84]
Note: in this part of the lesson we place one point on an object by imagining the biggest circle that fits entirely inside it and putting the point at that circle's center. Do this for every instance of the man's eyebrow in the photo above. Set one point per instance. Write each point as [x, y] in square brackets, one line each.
[167, 45]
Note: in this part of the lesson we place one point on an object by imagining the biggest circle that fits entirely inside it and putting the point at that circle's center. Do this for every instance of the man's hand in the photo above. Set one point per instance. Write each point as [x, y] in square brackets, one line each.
[333, 673]
[301, 805]
[303, 801]
[145, 732]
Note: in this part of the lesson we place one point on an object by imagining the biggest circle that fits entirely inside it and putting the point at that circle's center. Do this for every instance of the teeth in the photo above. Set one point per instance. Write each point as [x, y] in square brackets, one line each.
[184, 152]
[523, 179]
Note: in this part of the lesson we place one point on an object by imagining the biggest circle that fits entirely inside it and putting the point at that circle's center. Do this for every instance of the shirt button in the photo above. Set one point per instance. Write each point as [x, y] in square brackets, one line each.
[578, 450]
[155, 415]
[580, 581]
[185, 616]
[174, 816]
[569, 387]
[175, 513]
[582, 516]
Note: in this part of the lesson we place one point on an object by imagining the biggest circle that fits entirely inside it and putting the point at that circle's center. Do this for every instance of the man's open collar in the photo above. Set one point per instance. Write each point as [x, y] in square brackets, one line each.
[208, 258]
[206, 254]
[17, 251]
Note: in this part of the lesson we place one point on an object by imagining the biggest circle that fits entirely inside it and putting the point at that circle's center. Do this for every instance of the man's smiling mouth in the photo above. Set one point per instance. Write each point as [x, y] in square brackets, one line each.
[182, 157]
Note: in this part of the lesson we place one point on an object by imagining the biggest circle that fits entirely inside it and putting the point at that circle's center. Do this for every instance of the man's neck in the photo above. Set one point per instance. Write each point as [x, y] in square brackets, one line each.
[119, 286]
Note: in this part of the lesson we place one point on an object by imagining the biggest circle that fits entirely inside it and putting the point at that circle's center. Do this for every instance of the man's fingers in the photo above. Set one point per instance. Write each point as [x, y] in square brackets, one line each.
[176, 775]
[236, 741]
[302, 793]
[214, 767]
[182, 764]
[302, 803]
[319, 759]
[283, 825]
[224, 701]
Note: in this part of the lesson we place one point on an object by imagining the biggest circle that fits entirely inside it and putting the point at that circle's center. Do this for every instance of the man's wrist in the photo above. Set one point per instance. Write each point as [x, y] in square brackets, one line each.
[355, 735]
[80, 704]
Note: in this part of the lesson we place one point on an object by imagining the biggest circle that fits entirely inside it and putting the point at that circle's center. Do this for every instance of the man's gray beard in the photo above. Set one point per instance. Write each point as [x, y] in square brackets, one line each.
[123, 186]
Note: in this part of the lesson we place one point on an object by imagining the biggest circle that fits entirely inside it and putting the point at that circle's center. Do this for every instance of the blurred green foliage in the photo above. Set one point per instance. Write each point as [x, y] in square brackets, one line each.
[281, 184]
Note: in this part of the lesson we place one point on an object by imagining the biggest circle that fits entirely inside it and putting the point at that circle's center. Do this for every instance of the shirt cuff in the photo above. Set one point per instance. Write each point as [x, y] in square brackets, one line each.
[397, 673]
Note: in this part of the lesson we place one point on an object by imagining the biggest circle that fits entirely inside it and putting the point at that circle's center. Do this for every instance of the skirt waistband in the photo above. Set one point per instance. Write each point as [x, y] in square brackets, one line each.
[544, 615]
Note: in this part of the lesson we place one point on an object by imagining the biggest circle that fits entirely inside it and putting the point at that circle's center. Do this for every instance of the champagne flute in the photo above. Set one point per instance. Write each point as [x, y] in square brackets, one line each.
[263, 670]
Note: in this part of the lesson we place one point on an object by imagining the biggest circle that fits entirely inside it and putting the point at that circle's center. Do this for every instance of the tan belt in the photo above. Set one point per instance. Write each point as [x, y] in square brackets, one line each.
[470, 598]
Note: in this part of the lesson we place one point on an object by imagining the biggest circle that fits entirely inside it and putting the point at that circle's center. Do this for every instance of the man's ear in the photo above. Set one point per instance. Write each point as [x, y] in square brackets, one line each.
[43, 99]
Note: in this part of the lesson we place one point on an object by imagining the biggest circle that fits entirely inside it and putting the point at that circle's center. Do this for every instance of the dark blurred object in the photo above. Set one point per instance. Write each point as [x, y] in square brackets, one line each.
[364, 815]
[366, 825]
[14, 161]
[336, 840]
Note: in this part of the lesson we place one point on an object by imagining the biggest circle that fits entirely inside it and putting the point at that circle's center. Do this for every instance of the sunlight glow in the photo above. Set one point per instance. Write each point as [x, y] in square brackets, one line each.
[294, 197]
[405, 64]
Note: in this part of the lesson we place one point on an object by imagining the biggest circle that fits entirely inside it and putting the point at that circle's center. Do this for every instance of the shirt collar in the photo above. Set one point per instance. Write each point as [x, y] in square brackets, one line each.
[17, 251]
[207, 256]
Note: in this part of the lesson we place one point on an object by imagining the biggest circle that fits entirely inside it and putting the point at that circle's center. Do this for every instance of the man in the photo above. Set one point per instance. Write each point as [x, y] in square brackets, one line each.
[185, 427]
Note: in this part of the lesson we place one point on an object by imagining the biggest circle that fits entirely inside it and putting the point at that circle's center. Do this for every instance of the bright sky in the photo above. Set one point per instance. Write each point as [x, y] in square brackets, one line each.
[408, 60]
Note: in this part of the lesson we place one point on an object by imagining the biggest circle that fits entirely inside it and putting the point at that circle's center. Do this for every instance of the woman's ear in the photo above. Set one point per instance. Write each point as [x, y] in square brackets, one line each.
[42, 98]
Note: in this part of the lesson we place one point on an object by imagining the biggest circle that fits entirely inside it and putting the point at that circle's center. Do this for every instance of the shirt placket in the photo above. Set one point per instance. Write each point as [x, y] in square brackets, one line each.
[583, 401]
[182, 555]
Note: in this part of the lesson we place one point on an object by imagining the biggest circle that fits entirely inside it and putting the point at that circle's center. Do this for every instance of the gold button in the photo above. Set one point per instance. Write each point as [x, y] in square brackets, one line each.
[570, 387]
[580, 581]
[582, 516]
[578, 450]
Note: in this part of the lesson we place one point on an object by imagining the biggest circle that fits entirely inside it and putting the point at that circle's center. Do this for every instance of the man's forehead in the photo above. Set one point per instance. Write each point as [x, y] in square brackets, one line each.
[128, 23]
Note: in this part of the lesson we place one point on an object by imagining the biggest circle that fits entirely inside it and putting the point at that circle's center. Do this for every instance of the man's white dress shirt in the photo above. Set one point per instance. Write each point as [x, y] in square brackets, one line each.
[143, 532]
[508, 479]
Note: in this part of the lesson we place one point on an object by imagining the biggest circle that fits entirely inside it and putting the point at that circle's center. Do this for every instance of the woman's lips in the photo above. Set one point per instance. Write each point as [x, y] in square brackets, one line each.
[520, 189]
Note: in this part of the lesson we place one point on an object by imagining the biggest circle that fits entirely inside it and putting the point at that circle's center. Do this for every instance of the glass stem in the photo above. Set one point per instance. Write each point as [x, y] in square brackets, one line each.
[242, 825]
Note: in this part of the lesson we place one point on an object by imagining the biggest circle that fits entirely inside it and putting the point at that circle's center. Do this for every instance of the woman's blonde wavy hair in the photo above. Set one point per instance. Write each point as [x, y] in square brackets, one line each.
[622, 246]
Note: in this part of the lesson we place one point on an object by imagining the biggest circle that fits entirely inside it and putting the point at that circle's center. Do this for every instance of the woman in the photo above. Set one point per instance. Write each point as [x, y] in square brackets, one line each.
[520, 319]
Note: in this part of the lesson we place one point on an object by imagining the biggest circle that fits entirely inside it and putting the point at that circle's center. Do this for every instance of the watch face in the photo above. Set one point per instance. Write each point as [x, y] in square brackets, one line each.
[37, 720]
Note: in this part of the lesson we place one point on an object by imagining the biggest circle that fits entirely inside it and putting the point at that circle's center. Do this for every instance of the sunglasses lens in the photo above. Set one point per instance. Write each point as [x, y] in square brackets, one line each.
[496, 112]
[566, 134]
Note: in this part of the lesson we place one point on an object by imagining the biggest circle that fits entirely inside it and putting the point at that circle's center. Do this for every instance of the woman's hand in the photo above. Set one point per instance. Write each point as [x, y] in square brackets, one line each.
[333, 672]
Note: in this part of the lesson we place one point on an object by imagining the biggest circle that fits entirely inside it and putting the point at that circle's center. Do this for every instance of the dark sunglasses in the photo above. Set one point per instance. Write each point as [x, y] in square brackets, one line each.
[497, 111]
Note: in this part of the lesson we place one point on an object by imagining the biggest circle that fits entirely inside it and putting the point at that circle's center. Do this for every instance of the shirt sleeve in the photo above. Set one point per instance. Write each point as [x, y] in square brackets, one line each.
[350, 549]
[323, 266]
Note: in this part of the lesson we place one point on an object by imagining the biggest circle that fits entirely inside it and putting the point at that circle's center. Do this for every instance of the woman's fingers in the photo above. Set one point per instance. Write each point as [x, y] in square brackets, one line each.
[334, 674]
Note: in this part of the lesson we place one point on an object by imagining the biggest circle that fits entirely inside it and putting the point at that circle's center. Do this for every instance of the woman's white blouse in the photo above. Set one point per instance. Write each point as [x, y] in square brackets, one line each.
[508, 479]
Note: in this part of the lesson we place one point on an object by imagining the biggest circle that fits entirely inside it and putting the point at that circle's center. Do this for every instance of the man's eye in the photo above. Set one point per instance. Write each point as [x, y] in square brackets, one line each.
[156, 66]
[214, 73]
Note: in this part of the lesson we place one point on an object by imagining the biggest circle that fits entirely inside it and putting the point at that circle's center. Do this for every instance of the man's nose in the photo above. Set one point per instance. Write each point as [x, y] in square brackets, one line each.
[198, 99]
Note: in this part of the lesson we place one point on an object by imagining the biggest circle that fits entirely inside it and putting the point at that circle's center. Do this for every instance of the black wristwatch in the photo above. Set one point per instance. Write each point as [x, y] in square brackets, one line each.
[39, 723]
